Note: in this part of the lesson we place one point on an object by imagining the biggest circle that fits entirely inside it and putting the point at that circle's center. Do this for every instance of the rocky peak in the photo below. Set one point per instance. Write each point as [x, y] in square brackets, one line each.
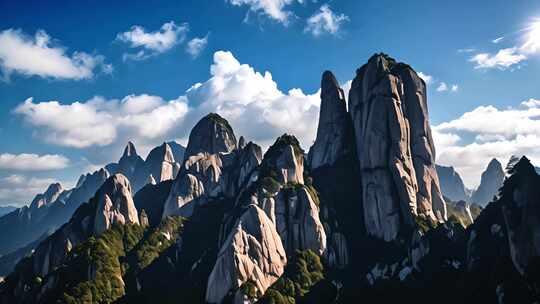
[160, 154]
[212, 134]
[452, 185]
[334, 125]
[115, 204]
[49, 196]
[388, 105]
[490, 182]
[129, 150]
[286, 159]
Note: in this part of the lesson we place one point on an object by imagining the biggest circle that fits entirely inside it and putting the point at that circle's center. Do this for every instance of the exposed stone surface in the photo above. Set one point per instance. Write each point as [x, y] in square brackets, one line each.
[50, 195]
[297, 221]
[112, 203]
[452, 185]
[115, 204]
[212, 134]
[490, 182]
[253, 251]
[209, 174]
[333, 126]
[396, 154]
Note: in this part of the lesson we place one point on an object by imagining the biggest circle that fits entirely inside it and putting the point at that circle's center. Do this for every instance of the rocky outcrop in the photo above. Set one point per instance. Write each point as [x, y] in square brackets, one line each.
[211, 135]
[279, 190]
[129, 163]
[115, 204]
[503, 241]
[521, 210]
[50, 195]
[334, 123]
[252, 252]
[220, 171]
[112, 203]
[490, 182]
[161, 164]
[396, 153]
[452, 185]
[297, 220]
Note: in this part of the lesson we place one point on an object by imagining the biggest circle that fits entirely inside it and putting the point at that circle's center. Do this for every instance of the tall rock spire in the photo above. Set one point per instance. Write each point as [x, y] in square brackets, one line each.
[490, 182]
[396, 153]
[334, 122]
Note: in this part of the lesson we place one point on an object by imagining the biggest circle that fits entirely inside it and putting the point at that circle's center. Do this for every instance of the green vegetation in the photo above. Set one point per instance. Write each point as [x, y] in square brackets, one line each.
[155, 241]
[220, 121]
[93, 272]
[277, 148]
[424, 223]
[303, 271]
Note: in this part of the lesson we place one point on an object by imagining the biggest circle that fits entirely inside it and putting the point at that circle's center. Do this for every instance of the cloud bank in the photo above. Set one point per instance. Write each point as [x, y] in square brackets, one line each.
[32, 162]
[470, 141]
[250, 100]
[20, 190]
[39, 56]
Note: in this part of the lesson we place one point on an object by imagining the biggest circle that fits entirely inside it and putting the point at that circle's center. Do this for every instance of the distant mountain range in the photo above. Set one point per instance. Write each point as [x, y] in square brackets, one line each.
[365, 216]
[6, 209]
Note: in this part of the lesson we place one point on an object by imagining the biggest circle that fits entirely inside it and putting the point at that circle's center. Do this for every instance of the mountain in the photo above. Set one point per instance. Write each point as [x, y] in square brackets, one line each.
[47, 212]
[396, 154]
[159, 165]
[490, 182]
[51, 209]
[6, 209]
[452, 185]
[359, 219]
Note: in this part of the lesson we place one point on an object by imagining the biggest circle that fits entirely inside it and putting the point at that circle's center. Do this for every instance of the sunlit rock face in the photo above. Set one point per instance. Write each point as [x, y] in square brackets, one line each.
[396, 154]
[115, 204]
[214, 167]
[253, 251]
[112, 203]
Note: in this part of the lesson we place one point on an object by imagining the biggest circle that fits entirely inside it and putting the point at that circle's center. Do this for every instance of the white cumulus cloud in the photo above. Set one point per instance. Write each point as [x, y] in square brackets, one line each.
[502, 60]
[274, 9]
[196, 45]
[470, 141]
[99, 122]
[20, 189]
[152, 43]
[32, 162]
[250, 100]
[39, 56]
[325, 21]
[428, 79]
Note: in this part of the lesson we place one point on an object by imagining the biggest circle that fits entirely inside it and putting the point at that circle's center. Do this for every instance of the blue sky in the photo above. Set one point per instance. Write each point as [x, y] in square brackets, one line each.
[129, 65]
